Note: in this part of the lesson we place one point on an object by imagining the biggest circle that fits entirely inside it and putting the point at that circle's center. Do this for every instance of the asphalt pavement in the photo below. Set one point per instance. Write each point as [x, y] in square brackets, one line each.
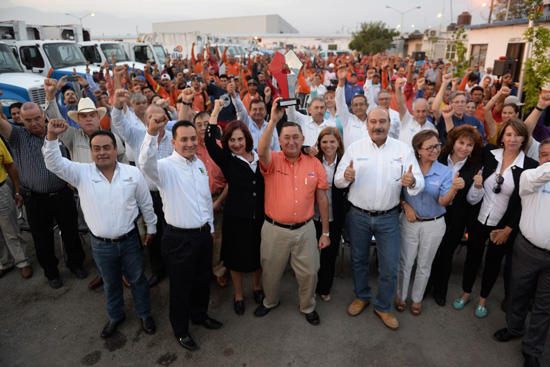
[41, 326]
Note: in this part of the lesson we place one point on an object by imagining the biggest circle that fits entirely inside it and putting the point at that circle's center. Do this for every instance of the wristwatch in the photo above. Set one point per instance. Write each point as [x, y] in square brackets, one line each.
[17, 194]
[327, 234]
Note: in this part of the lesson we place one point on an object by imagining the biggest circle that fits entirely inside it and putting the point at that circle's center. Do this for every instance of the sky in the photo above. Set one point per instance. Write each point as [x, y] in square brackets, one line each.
[321, 17]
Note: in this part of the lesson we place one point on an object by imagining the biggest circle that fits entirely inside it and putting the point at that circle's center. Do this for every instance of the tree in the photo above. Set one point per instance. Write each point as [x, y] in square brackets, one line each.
[519, 9]
[537, 67]
[373, 37]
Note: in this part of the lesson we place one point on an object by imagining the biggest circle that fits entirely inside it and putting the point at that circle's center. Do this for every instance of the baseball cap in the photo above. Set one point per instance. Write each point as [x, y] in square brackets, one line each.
[252, 81]
[331, 65]
[395, 77]
[513, 99]
[185, 71]
[165, 77]
[376, 74]
[141, 78]
[353, 74]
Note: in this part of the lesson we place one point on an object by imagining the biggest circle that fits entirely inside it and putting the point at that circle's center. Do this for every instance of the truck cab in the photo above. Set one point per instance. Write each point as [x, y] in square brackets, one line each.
[97, 52]
[143, 52]
[16, 85]
[50, 58]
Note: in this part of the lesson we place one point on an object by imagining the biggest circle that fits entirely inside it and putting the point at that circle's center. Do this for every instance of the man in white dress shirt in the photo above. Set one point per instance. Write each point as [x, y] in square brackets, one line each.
[354, 124]
[376, 169]
[187, 241]
[531, 263]
[411, 124]
[313, 124]
[112, 196]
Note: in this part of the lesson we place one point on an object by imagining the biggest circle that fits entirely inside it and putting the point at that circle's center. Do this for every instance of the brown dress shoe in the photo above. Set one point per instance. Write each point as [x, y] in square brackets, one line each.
[95, 283]
[26, 272]
[357, 306]
[222, 281]
[388, 319]
[125, 281]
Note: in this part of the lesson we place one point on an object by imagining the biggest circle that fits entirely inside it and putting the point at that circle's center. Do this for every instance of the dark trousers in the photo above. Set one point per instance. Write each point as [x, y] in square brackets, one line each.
[155, 248]
[443, 263]
[188, 258]
[478, 235]
[325, 276]
[42, 209]
[530, 272]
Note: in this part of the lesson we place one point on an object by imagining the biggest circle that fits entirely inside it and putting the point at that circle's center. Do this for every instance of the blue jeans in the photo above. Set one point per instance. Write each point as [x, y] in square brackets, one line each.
[114, 260]
[361, 227]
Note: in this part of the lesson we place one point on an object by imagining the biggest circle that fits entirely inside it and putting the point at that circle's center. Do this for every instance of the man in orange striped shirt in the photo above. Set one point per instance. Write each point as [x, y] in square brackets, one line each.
[293, 183]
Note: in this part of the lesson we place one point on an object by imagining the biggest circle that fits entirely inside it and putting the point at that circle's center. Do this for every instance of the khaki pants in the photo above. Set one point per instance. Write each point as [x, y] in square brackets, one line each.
[278, 244]
[217, 266]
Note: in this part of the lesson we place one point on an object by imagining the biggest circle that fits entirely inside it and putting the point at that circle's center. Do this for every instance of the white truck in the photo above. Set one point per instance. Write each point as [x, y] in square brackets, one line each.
[97, 52]
[16, 85]
[50, 58]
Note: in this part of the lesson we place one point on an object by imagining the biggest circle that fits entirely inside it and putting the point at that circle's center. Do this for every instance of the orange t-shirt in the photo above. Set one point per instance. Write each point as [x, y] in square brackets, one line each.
[290, 187]
[216, 179]
[247, 99]
[232, 69]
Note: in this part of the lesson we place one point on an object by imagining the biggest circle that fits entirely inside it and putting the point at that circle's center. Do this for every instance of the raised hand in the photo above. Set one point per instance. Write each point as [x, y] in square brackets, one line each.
[458, 182]
[478, 180]
[447, 78]
[342, 72]
[218, 106]
[118, 71]
[503, 92]
[314, 150]
[349, 173]
[62, 82]
[50, 85]
[56, 127]
[399, 83]
[82, 81]
[276, 112]
[447, 111]
[231, 90]
[420, 83]
[408, 180]
[157, 122]
[121, 97]
[544, 100]
[267, 92]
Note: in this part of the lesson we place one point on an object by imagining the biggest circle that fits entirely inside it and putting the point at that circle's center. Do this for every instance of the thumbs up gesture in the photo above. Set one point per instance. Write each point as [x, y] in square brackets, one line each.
[408, 179]
[349, 173]
[478, 180]
[314, 150]
[458, 182]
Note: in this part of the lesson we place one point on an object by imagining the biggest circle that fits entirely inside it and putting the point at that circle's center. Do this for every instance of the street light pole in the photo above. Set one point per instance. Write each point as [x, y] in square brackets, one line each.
[402, 14]
[80, 18]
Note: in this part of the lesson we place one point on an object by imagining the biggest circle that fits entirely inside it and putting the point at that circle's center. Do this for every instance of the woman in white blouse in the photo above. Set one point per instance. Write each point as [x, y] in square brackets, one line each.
[499, 208]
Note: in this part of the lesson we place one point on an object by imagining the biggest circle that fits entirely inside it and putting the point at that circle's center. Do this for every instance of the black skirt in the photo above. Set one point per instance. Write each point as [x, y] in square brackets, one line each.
[241, 243]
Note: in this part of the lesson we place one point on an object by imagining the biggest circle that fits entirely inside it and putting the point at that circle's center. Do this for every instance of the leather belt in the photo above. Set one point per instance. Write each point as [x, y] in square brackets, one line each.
[287, 226]
[117, 239]
[374, 213]
[534, 246]
[428, 219]
[204, 227]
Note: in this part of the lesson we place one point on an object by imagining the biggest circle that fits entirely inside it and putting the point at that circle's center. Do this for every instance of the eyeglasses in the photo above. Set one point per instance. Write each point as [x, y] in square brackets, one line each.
[432, 148]
[499, 181]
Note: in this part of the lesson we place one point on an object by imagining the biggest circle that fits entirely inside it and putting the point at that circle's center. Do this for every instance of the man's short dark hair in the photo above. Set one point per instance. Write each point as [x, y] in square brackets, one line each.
[291, 124]
[15, 105]
[476, 88]
[472, 78]
[544, 142]
[360, 96]
[256, 101]
[103, 132]
[224, 76]
[183, 123]
[65, 89]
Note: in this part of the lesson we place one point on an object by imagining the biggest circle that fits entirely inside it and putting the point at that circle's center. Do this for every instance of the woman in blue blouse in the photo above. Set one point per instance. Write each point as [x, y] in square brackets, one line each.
[422, 223]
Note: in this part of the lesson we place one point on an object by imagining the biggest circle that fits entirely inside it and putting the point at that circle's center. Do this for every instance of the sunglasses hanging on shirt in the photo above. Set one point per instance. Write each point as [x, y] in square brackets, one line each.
[499, 180]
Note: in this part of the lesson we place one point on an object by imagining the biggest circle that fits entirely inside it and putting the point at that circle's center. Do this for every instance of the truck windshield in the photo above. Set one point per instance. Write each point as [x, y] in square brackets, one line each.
[8, 63]
[116, 49]
[62, 55]
[159, 50]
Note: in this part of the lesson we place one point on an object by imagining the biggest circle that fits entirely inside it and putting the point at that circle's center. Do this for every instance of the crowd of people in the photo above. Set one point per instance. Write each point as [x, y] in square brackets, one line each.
[196, 161]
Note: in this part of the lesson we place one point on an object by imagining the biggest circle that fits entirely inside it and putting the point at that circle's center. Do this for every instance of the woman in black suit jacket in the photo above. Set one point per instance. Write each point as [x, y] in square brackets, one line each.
[244, 207]
[498, 210]
[331, 150]
[462, 153]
